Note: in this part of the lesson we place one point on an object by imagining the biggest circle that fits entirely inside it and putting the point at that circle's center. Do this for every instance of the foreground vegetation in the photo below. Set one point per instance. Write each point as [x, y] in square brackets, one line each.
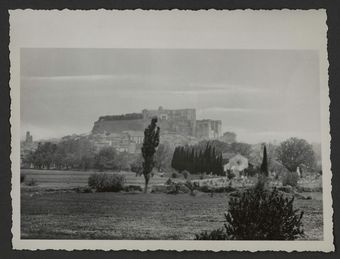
[259, 214]
[65, 214]
[52, 207]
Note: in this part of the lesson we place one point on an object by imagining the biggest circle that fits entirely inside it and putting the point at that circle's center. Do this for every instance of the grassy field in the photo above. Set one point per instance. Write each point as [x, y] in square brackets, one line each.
[70, 179]
[60, 213]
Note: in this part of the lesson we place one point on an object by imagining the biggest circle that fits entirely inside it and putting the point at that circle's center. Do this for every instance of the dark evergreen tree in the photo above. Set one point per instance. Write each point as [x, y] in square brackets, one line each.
[200, 163]
[221, 165]
[186, 159]
[174, 161]
[197, 160]
[151, 141]
[191, 168]
[181, 159]
[206, 167]
[264, 165]
[195, 163]
[214, 161]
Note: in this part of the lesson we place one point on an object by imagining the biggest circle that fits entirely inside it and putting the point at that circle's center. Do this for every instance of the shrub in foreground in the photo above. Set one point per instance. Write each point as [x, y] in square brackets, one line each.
[259, 214]
[106, 182]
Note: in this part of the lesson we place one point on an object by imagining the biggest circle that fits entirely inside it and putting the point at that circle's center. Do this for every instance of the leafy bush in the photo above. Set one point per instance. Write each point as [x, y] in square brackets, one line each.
[294, 152]
[260, 214]
[106, 182]
[290, 178]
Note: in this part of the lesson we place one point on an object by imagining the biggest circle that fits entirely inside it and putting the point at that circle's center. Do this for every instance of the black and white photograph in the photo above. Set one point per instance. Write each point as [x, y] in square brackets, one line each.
[170, 130]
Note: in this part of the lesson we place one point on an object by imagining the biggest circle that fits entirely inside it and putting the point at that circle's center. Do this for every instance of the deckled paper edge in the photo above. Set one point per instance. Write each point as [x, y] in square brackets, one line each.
[325, 245]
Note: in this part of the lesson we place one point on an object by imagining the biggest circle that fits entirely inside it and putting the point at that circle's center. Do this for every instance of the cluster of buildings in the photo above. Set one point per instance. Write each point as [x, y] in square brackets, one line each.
[235, 163]
[127, 141]
[130, 127]
[126, 132]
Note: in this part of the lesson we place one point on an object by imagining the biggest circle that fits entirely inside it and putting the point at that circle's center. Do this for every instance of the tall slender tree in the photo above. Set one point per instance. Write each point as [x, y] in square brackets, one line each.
[150, 143]
[191, 168]
[201, 166]
[264, 165]
[174, 161]
[220, 165]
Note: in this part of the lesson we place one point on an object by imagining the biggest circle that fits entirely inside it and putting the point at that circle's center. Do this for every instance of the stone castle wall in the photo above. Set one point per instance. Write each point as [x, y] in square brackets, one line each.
[118, 126]
[208, 129]
[182, 121]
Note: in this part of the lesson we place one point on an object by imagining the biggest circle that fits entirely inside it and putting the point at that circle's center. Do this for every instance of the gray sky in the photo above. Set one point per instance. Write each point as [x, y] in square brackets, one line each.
[261, 95]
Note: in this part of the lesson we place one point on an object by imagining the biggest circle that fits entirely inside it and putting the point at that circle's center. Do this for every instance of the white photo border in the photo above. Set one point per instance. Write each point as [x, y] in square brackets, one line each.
[237, 29]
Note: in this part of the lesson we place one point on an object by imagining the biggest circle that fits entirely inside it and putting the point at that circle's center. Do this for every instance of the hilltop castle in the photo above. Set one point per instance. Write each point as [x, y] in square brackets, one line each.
[181, 122]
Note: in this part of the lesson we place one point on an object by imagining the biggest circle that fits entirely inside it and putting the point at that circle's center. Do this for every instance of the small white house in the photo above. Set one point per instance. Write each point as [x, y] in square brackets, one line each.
[237, 164]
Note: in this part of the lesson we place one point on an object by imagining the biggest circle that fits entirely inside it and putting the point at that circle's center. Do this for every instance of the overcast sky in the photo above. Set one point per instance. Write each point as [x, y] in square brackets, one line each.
[261, 95]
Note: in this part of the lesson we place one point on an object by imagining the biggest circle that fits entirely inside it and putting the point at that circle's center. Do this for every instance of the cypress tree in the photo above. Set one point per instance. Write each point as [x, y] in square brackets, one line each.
[207, 159]
[264, 165]
[200, 162]
[196, 163]
[150, 143]
[188, 159]
[220, 165]
[174, 161]
[182, 159]
[185, 158]
[192, 161]
[214, 162]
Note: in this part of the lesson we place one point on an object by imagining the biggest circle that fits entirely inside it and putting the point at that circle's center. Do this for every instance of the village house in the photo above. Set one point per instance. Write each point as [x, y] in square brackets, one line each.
[235, 163]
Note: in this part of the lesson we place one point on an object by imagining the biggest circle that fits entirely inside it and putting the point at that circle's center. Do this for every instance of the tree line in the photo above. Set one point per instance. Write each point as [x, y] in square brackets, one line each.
[196, 161]
[206, 157]
[76, 154]
[80, 154]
